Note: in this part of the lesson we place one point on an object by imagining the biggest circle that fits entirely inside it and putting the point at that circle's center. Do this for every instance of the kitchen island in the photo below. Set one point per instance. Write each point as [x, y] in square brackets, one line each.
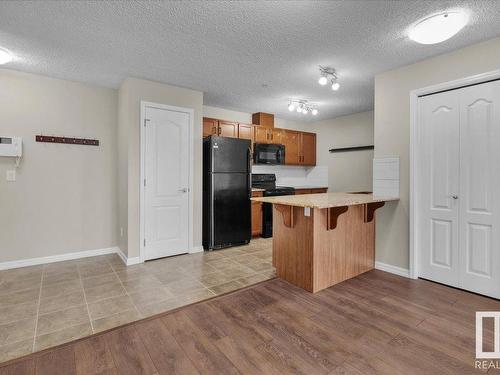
[323, 239]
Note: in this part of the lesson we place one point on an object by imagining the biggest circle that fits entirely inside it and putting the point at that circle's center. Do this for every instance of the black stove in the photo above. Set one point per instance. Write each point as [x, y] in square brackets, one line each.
[267, 181]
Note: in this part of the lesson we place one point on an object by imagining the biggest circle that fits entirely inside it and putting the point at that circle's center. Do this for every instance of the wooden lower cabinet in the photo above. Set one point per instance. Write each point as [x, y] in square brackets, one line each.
[256, 215]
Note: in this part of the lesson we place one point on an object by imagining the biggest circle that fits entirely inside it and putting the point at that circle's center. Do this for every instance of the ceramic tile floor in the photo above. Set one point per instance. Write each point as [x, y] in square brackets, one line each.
[44, 306]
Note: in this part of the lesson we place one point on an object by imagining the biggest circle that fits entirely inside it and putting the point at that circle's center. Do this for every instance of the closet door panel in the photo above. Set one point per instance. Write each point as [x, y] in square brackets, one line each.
[479, 188]
[439, 183]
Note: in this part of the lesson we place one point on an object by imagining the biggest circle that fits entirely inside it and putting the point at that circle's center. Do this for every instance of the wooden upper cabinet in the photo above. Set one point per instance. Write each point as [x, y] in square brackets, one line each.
[245, 131]
[210, 126]
[300, 147]
[307, 149]
[261, 134]
[291, 140]
[263, 119]
[276, 136]
[268, 135]
[228, 129]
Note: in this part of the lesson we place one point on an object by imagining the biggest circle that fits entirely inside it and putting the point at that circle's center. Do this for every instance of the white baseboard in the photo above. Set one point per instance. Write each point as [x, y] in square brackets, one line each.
[126, 260]
[392, 269]
[196, 249]
[56, 258]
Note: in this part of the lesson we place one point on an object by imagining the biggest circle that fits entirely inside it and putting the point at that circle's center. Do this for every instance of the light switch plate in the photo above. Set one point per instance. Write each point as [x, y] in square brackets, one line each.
[11, 175]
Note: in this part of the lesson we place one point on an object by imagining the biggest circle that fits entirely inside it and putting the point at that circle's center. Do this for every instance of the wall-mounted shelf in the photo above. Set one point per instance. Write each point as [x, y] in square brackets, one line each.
[353, 148]
[66, 140]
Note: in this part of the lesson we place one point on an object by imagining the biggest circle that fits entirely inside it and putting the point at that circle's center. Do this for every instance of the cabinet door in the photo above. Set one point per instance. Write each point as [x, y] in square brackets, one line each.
[290, 139]
[245, 131]
[210, 126]
[256, 219]
[308, 148]
[276, 136]
[261, 134]
[228, 129]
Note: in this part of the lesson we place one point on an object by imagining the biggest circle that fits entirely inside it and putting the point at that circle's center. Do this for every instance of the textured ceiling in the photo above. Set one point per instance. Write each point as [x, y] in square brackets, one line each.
[247, 56]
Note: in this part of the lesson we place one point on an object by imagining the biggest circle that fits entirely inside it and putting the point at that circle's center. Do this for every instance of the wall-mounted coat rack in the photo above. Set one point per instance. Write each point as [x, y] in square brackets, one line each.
[354, 148]
[67, 140]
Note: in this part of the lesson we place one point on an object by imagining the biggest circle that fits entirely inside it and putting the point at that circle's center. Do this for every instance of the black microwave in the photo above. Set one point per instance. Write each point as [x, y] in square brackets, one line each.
[264, 153]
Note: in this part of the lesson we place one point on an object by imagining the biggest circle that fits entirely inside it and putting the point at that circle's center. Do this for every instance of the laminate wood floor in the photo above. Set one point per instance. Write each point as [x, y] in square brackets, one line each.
[376, 323]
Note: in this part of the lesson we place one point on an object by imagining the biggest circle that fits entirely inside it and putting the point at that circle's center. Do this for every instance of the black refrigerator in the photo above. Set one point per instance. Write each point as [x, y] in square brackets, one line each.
[227, 189]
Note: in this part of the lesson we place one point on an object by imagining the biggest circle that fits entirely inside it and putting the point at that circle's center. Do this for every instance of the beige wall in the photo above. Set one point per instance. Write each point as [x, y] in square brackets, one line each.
[347, 171]
[392, 130]
[131, 93]
[64, 199]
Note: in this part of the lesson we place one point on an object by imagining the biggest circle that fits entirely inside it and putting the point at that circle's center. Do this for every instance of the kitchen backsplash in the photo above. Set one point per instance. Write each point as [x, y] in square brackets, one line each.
[296, 176]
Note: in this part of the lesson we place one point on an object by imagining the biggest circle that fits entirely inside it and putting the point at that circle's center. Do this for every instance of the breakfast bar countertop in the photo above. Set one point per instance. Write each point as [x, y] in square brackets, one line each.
[324, 200]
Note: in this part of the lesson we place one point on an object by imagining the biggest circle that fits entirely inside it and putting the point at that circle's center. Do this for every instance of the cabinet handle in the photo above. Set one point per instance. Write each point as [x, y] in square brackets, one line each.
[214, 130]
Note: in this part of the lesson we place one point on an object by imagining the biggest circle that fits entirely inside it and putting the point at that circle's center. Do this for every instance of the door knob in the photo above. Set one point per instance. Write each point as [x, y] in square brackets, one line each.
[183, 190]
[454, 196]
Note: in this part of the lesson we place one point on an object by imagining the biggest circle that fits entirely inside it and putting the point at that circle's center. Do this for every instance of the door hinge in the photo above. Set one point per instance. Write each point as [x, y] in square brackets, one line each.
[145, 121]
[144, 182]
[144, 242]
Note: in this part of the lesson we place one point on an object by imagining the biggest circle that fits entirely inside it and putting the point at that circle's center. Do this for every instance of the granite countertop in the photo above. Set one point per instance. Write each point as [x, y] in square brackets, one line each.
[324, 200]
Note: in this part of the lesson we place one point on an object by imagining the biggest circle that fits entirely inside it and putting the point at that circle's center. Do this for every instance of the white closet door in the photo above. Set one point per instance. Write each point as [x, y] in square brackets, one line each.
[480, 188]
[439, 183]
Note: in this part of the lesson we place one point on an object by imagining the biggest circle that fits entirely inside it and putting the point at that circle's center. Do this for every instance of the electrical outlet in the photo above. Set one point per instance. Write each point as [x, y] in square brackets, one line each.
[121, 232]
[11, 175]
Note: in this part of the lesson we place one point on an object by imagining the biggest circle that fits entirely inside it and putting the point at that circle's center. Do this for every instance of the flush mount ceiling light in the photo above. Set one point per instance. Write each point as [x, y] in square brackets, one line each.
[5, 56]
[438, 27]
[302, 106]
[328, 75]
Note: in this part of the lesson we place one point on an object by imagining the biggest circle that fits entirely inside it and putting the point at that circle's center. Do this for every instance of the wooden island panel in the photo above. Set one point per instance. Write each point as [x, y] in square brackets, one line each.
[314, 257]
[344, 252]
[292, 246]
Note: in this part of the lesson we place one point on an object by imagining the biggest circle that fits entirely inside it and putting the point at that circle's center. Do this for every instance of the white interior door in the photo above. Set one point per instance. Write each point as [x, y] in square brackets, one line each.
[458, 210]
[480, 188]
[439, 185]
[166, 192]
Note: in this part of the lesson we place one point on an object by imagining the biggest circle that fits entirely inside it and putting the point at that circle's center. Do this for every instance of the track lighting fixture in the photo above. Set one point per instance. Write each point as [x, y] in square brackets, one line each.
[328, 74]
[302, 106]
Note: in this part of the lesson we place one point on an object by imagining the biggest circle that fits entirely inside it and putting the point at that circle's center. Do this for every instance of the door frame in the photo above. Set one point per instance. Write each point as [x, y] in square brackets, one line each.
[415, 152]
[142, 208]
